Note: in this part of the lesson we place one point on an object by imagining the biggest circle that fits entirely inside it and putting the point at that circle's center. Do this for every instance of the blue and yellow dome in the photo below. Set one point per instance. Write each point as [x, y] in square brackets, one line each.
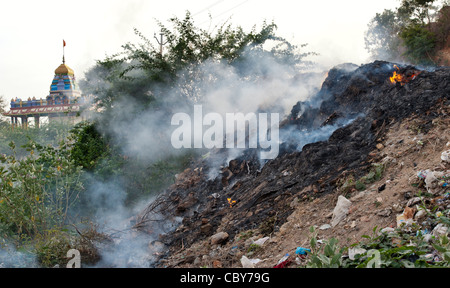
[64, 79]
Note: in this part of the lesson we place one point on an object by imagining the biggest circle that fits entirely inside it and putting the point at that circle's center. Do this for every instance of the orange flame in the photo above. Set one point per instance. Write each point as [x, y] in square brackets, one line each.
[400, 78]
[231, 202]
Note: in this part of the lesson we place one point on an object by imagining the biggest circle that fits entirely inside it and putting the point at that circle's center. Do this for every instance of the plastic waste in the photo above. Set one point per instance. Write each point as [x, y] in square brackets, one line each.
[355, 251]
[340, 211]
[261, 241]
[445, 156]
[302, 251]
[406, 217]
[283, 264]
[285, 257]
[422, 174]
[439, 230]
[249, 263]
[422, 232]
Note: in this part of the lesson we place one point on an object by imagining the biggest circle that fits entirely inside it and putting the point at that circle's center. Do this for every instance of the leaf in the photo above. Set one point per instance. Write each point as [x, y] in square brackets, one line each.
[439, 248]
[325, 260]
[336, 259]
[407, 264]
[446, 256]
[328, 250]
[313, 242]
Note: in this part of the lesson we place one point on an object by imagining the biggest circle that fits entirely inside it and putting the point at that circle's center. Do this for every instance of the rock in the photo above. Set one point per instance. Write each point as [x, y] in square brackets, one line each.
[219, 238]
[340, 210]
[197, 261]
[365, 218]
[380, 146]
[294, 203]
[206, 229]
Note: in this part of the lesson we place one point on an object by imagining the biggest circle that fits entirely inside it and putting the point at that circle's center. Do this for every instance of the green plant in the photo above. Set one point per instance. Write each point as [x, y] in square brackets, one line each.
[397, 249]
[37, 194]
[246, 235]
[347, 184]
[88, 145]
[443, 247]
[420, 43]
[360, 186]
[51, 248]
[253, 248]
[327, 255]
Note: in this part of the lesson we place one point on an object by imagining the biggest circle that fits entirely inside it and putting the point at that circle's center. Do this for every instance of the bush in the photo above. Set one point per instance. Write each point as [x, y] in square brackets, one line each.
[37, 194]
[420, 43]
[88, 147]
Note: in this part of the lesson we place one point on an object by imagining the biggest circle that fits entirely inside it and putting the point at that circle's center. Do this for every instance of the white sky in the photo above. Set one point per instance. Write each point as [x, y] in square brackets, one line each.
[31, 31]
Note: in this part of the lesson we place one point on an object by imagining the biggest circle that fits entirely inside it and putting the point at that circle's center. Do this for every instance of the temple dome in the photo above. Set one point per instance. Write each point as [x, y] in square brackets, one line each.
[64, 69]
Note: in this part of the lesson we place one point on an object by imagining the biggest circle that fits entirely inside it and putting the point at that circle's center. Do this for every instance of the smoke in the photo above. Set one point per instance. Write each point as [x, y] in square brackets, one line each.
[258, 83]
[11, 258]
[300, 138]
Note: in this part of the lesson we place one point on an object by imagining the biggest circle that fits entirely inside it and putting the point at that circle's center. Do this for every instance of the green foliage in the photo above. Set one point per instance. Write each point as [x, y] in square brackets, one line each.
[398, 249]
[37, 192]
[420, 43]
[381, 39]
[375, 174]
[48, 134]
[409, 33]
[443, 247]
[88, 146]
[51, 250]
[142, 75]
[253, 248]
[327, 255]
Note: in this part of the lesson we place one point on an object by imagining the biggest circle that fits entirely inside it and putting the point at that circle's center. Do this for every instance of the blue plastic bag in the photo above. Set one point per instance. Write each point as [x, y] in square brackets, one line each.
[302, 251]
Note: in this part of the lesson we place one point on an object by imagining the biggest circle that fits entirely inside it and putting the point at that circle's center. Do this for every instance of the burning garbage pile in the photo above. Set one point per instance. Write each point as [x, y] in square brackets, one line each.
[359, 103]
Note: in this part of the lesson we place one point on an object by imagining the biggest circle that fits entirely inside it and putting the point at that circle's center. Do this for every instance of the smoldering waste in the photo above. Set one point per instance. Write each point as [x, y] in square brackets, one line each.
[324, 137]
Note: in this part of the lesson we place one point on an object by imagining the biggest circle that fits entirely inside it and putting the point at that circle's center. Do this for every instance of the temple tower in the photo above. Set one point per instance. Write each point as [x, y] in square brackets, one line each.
[62, 103]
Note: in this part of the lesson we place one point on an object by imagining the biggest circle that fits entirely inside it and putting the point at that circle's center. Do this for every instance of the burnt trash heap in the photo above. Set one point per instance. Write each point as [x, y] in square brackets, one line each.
[362, 102]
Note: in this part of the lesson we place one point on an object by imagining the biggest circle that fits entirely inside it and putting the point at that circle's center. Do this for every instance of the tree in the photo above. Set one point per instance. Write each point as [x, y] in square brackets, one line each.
[420, 43]
[408, 33]
[141, 74]
[382, 39]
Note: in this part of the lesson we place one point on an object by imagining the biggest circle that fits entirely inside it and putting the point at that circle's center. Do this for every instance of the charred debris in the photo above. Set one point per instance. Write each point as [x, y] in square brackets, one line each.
[361, 102]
